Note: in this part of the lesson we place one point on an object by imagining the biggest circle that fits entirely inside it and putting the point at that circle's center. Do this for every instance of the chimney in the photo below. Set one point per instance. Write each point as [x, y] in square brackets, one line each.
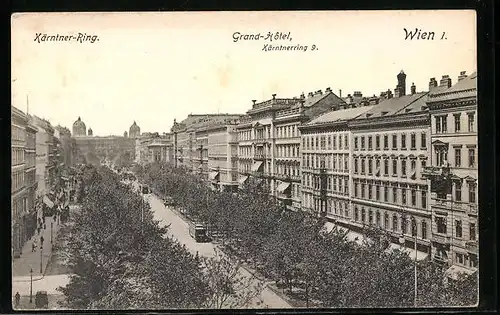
[397, 92]
[401, 83]
[445, 81]
[350, 98]
[413, 88]
[318, 92]
[328, 90]
[274, 96]
[310, 94]
[389, 94]
[462, 76]
[432, 84]
[254, 101]
[340, 93]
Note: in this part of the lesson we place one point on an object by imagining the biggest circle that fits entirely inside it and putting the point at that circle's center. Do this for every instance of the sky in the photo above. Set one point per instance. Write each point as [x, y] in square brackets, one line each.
[154, 67]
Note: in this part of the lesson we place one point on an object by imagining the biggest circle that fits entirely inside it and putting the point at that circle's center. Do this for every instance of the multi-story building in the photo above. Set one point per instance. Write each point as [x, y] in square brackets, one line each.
[23, 185]
[161, 149]
[186, 146]
[453, 172]
[326, 164]
[200, 154]
[390, 147]
[45, 158]
[273, 141]
[19, 121]
[222, 142]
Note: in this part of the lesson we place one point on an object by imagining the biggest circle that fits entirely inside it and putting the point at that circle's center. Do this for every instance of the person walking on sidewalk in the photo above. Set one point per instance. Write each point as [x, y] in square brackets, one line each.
[41, 241]
[33, 246]
[17, 298]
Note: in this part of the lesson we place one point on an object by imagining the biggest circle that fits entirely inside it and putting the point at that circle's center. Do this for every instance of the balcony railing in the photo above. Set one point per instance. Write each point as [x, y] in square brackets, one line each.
[443, 239]
[472, 246]
[260, 156]
[288, 112]
[260, 140]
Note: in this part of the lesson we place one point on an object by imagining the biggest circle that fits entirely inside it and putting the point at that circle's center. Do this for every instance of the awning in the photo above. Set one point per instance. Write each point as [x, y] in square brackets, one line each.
[328, 227]
[455, 271]
[409, 251]
[213, 175]
[256, 166]
[48, 202]
[283, 186]
[243, 179]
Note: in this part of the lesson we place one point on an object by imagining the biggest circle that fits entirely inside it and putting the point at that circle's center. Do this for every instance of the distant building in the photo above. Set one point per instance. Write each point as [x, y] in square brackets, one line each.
[134, 131]
[160, 149]
[45, 155]
[79, 128]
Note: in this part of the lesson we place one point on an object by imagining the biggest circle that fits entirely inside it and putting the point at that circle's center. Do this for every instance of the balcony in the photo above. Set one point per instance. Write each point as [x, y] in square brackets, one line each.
[260, 140]
[472, 209]
[260, 156]
[472, 246]
[443, 239]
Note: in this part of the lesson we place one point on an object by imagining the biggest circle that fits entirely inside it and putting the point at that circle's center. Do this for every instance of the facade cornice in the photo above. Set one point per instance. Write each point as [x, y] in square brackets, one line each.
[393, 120]
[443, 104]
[333, 125]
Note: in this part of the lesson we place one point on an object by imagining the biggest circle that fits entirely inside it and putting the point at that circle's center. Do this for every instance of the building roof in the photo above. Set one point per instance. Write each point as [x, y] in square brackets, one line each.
[339, 115]
[418, 105]
[466, 87]
[134, 128]
[391, 106]
[79, 124]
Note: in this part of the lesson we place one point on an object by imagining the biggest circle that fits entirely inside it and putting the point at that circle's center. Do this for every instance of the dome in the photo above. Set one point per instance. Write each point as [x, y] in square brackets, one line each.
[79, 128]
[91, 133]
[79, 124]
[134, 131]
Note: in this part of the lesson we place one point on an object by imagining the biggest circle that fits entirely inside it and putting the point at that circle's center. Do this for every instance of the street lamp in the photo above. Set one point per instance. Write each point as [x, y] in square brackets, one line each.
[31, 285]
[41, 259]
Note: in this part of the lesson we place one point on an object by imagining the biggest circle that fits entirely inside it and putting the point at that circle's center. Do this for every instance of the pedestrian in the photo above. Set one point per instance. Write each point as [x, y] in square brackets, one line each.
[39, 228]
[41, 240]
[17, 298]
[33, 246]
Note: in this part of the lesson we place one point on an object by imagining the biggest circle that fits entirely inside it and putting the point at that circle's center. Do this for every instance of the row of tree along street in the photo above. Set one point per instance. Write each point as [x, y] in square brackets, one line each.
[121, 258]
[322, 269]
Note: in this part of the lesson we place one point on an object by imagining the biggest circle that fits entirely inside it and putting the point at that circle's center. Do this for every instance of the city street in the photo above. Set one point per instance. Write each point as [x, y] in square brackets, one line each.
[179, 229]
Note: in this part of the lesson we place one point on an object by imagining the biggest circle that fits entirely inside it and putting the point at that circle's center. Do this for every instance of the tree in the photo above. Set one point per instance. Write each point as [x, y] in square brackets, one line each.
[229, 287]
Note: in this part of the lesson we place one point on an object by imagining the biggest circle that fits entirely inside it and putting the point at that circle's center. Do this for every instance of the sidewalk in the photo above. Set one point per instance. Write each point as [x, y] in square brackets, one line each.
[31, 260]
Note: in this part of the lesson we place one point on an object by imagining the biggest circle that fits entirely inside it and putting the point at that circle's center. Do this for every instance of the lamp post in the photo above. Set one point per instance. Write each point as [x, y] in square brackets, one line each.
[41, 259]
[31, 285]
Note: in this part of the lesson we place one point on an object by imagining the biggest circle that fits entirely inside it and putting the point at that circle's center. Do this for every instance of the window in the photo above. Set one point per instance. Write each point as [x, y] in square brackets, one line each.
[386, 142]
[472, 192]
[413, 197]
[394, 194]
[441, 124]
[362, 190]
[323, 143]
[441, 156]
[458, 191]
[424, 199]
[362, 165]
[362, 143]
[424, 230]
[335, 142]
[370, 166]
[472, 157]
[458, 157]
[370, 217]
[329, 143]
[377, 166]
[355, 165]
[472, 231]
[403, 141]
[377, 192]
[394, 142]
[403, 195]
[386, 167]
[355, 143]
[438, 124]
[363, 215]
[346, 142]
[457, 122]
[377, 218]
[355, 189]
[394, 167]
[423, 140]
[386, 193]
[458, 228]
[441, 225]
[369, 142]
[413, 141]
[370, 191]
[356, 214]
[459, 258]
[377, 142]
[386, 221]
[403, 167]
[413, 227]
[394, 223]
[471, 122]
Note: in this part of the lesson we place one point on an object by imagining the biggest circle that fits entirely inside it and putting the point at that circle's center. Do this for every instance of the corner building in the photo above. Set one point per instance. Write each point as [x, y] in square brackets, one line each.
[453, 114]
